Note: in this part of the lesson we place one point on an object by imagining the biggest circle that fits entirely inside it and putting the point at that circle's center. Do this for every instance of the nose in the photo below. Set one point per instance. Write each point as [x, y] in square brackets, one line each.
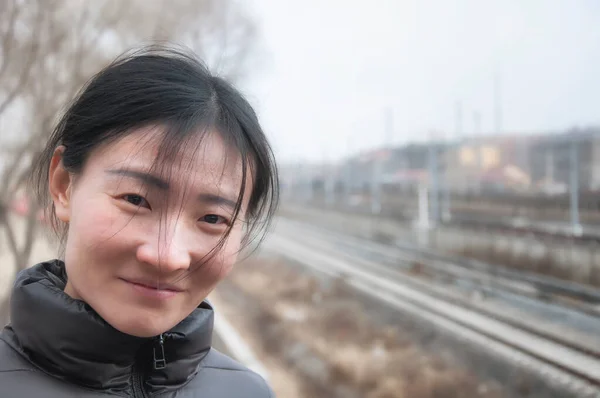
[167, 252]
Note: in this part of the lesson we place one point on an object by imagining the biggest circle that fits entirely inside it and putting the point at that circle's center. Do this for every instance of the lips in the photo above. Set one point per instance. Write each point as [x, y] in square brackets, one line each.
[154, 285]
[148, 290]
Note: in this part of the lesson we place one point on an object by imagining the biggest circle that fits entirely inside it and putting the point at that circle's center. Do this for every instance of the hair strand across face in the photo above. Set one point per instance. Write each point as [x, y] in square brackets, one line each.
[170, 89]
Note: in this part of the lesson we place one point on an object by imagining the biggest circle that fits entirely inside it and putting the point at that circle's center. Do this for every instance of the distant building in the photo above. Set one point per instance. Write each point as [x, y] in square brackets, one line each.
[488, 164]
[551, 160]
[507, 163]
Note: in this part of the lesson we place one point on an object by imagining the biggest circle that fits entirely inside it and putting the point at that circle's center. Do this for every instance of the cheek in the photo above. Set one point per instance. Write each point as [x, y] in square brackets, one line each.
[221, 264]
[231, 249]
[95, 224]
[207, 275]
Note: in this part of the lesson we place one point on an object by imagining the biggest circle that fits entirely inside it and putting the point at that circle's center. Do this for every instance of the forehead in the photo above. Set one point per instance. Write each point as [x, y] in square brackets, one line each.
[202, 160]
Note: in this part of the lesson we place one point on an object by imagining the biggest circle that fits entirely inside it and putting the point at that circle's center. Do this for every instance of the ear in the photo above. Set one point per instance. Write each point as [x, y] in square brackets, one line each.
[60, 182]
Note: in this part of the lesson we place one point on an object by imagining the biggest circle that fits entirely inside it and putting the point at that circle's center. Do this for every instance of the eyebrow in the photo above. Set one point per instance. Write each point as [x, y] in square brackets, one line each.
[217, 200]
[146, 178]
[149, 179]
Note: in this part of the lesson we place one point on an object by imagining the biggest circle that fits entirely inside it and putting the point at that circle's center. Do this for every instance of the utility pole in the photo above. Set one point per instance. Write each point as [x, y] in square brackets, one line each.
[447, 185]
[328, 183]
[458, 120]
[574, 186]
[478, 152]
[434, 182]
[497, 104]
[550, 164]
[389, 127]
[376, 172]
[476, 123]
[378, 162]
[347, 173]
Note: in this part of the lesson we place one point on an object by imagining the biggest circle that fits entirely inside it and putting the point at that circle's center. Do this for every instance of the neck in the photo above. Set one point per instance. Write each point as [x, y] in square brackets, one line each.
[71, 292]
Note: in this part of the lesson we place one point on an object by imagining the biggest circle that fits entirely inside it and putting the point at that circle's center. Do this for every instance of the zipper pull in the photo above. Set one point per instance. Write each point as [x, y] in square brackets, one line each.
[160, 361]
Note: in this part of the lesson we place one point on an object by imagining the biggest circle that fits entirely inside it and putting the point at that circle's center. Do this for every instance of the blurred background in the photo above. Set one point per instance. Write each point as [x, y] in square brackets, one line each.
[440, 170]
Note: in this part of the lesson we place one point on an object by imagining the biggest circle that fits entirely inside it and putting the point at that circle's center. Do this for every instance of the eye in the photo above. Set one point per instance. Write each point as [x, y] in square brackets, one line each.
[136, 200]
[214, 219]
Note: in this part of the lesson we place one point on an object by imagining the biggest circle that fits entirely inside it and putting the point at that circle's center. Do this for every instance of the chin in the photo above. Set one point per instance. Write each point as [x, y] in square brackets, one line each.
[140, 326]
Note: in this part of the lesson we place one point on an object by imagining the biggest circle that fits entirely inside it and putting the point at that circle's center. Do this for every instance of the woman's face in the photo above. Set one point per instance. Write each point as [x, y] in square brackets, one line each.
[129, 252]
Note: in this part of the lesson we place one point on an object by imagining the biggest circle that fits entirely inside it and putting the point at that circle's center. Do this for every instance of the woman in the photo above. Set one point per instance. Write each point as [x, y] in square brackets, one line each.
[156, 177]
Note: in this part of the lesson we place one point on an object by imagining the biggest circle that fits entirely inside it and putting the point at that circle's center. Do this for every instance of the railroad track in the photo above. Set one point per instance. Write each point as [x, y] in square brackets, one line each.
[483, 276]
[547, 286]
[574, 367]
[577, 323]
[543, 296]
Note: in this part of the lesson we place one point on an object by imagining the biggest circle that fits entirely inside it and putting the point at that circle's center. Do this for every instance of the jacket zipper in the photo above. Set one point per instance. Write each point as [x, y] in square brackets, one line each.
[138, 384]
[159, 362]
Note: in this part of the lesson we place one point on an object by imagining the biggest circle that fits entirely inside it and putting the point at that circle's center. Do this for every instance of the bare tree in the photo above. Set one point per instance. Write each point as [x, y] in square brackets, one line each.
[50, 48]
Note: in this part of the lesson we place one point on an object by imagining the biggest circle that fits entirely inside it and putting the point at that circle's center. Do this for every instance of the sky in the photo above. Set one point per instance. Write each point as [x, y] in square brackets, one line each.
[337, 77]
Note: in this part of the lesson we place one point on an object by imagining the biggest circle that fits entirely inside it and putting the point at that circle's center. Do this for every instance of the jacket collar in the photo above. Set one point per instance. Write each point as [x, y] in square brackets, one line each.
[68, 339]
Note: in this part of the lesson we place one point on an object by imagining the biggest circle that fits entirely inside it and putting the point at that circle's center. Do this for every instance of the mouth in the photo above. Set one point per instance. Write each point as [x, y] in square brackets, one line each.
[153, 291]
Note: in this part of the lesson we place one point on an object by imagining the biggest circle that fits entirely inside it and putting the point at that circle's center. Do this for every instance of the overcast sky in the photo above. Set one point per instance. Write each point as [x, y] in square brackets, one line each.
[331, 67]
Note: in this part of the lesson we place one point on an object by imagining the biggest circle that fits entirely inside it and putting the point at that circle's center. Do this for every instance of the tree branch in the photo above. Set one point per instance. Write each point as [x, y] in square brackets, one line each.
[8, 37]
[10, 235]
[31, 228]
[24, 75]
[10, 171]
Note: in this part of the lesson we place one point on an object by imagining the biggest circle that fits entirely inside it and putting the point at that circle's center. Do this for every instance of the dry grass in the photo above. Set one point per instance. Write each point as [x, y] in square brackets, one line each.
[301, 320]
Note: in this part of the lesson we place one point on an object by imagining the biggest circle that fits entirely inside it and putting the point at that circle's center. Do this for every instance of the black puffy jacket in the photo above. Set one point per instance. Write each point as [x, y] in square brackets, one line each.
[59, 347]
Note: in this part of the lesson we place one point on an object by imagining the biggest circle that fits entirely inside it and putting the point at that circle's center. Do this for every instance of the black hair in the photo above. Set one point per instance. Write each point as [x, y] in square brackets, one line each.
[168, 87]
